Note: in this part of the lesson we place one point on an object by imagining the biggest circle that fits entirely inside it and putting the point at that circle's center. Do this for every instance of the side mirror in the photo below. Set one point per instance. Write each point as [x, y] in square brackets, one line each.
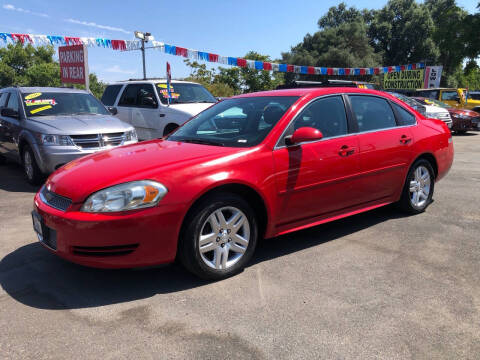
[9, 113]
[304, 134]
[113, 110]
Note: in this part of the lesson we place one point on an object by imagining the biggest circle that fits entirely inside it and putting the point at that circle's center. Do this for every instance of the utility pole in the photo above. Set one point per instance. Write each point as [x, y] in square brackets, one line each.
[144, 37]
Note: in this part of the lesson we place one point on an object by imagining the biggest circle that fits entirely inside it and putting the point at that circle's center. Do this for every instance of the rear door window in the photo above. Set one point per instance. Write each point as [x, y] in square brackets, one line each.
[404, 117]
[139, 95]
[110, 94]
[372, 113]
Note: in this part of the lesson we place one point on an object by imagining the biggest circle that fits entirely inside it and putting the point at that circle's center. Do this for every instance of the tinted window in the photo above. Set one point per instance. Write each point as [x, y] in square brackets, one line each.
[3, 99]
[372, 113]
[110, 94]
[13, 102]
[326, 115]
[241, 122]
[183, 93]
[431, 94]
[139, 95]
[404, 117]
[449, 95]
[58, 103]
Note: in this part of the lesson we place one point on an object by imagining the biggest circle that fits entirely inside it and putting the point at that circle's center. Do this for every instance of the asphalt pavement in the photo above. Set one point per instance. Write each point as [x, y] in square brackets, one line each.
[378, 285]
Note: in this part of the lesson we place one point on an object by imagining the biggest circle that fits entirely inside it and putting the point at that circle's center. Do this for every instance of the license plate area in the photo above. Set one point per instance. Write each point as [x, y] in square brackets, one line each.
[45, 235]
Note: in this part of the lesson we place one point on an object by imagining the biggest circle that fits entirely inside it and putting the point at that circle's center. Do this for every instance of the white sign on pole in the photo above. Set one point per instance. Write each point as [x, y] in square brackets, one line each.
[433, 74]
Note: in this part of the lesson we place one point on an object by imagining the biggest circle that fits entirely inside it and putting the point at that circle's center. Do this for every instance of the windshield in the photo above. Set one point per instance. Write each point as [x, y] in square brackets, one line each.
[58, 103]
[242, 122]
[184, 93]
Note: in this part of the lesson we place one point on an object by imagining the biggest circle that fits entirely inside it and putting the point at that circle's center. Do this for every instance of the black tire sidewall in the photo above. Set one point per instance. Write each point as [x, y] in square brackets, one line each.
[37, 175]
[189, 253]
[406, 201]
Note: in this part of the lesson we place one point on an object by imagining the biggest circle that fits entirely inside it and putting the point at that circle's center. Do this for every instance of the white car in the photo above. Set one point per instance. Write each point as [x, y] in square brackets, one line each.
[430, 111]
[145, 104]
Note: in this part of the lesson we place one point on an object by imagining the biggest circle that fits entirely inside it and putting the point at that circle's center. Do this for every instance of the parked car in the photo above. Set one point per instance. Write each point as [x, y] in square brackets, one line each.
[463, 119]
[428, 110]
[328, 83]
[458, 98]
[44, 128]
[474, 95]
[256, 165]
[145, 104]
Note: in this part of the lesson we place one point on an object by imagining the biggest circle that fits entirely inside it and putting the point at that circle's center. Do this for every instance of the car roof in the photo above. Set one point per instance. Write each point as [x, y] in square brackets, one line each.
[50, 89]
[156, 80]
[315, 92]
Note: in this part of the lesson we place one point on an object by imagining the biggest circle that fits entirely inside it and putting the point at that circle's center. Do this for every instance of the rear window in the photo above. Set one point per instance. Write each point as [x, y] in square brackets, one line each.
[110, 94]
[3, 99]
[184, 93]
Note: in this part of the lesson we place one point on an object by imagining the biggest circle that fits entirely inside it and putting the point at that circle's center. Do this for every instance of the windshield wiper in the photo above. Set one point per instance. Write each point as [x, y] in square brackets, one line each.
[200, 141]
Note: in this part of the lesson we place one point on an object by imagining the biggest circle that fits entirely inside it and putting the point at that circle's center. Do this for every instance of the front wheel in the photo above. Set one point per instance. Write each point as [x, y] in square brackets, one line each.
[418, 189]
[32, 172]
[219, 237]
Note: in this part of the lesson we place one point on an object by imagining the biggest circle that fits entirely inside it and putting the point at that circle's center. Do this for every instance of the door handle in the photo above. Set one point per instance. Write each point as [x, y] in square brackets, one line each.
[346, 150]
[161, 115]
[404, 139]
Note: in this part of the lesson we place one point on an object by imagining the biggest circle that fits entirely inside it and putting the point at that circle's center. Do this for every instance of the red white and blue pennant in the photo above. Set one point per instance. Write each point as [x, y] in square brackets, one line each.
[124, 45]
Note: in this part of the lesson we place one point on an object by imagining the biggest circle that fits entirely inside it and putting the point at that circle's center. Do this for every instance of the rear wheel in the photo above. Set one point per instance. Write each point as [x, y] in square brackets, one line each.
[32, 172]
[219, 237]
[418, 189]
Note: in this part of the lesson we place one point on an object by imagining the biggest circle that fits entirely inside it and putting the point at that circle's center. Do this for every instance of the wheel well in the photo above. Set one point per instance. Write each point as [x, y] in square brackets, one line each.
[431, 159]
[246, 193]
[169, 128]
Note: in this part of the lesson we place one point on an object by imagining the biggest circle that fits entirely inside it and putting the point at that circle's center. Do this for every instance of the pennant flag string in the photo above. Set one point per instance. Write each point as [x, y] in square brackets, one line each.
[128, 45]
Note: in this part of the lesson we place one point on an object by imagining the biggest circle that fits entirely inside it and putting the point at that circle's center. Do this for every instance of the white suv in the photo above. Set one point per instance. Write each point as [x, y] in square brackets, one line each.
[144, 104]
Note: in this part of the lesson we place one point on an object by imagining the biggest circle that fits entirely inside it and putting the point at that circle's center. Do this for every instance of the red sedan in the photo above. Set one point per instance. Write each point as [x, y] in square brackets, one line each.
[252, 166]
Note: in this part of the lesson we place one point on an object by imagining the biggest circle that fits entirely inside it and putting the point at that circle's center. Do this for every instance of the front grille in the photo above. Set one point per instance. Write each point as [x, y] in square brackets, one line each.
[98, 141]
[98, 251]
[56, 201]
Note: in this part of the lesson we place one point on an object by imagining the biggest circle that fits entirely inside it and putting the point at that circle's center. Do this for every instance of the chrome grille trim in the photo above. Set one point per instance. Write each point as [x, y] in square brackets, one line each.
[53, 200]
[98, 141]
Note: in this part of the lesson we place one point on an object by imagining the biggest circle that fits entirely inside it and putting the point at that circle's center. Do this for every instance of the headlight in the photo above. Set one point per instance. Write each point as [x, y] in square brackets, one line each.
[129, 196]
[131, 135]
[62, 140]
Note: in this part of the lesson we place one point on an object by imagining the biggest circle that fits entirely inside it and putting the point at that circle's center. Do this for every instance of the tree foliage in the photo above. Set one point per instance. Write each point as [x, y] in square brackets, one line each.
[35, 66]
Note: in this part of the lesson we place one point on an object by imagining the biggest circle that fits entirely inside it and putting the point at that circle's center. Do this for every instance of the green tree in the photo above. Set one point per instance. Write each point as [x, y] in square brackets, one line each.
[403, 32]
[342, 41]
[472, 26]
[26, 65]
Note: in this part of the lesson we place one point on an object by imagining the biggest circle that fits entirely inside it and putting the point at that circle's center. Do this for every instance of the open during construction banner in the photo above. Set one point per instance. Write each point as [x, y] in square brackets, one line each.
[405, 80]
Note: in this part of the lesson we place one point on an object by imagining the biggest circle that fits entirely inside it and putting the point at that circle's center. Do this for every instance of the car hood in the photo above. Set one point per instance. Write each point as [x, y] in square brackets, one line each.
[191, 109]
[464, 112]
[77, 124]
[157, 160]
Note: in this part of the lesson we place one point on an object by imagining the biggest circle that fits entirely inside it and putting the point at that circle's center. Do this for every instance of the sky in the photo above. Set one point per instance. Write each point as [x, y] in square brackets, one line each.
[225, 27]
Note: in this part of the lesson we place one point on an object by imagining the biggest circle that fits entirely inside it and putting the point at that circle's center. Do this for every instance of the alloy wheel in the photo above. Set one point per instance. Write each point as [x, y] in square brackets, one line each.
[224, 238]
[28, 164]
[420, 185]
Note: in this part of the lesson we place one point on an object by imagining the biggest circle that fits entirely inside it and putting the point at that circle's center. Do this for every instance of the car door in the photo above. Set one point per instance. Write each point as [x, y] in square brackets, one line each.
[11, 128]
[3, 123]
[317, 178]
[145, 114]
[385, 141]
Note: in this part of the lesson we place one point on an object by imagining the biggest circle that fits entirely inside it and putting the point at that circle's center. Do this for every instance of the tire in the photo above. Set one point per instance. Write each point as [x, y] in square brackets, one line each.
[208, 260]
[461, 132]
[32, 172]
[169, 128]
[418, 189]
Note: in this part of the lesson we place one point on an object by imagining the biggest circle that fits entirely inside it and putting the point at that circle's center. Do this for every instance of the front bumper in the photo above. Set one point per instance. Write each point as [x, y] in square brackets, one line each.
[50, 158]
[132, 239]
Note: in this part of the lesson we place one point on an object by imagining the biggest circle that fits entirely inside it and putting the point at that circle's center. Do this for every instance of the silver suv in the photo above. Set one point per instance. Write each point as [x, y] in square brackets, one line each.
[45, 128]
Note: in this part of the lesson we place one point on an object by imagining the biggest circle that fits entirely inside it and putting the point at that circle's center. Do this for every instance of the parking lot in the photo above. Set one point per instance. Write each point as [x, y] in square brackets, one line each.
[376, 285]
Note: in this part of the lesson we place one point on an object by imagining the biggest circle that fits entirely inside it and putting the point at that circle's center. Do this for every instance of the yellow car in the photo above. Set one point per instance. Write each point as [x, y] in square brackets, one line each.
[458, 98]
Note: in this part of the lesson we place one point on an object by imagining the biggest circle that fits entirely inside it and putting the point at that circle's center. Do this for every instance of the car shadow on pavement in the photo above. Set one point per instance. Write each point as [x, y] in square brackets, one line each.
[13, 180]
[35, 277]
